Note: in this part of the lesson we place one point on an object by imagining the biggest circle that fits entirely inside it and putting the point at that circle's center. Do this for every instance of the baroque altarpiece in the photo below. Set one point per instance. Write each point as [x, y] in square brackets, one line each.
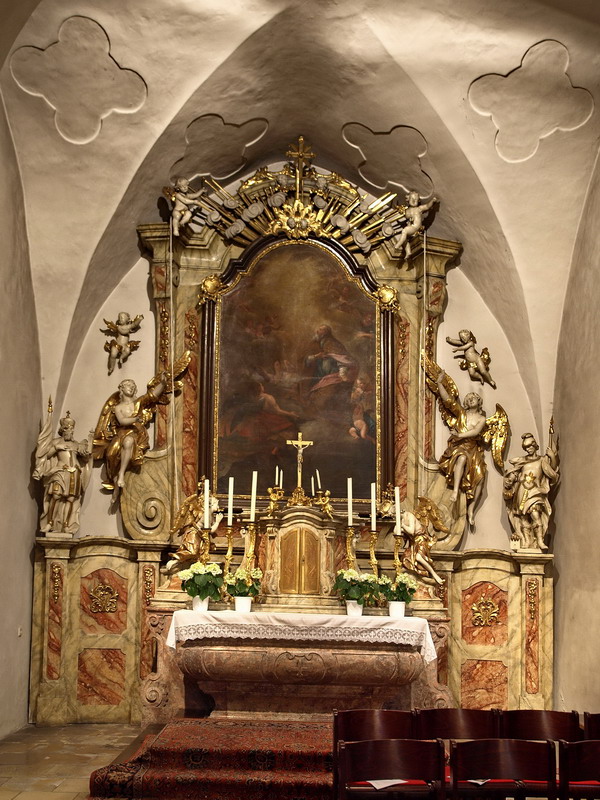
[307, 317]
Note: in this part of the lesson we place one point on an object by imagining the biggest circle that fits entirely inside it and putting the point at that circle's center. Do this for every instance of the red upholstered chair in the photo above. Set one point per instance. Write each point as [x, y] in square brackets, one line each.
[579, 769]
[358, 724]
[591, 725]
[507, 767]
[538, 724]
[457, 723]
[418, 765]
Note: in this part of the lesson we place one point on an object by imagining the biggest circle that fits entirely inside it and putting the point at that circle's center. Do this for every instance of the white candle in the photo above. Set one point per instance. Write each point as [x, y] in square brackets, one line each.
[373, 506]
[318, 479]
[277, 475]
[349, 502]
[230, 504]
[206, 503]
[312, 485]
[281, 479]
[253, 497]
[397, 504]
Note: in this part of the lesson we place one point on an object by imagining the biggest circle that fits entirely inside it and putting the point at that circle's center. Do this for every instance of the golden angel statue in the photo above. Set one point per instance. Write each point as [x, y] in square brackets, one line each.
[419, 539]
[527, 483]
[476, 363]
[463, 461]
[121, 436]
[121, 346]
[189, 526]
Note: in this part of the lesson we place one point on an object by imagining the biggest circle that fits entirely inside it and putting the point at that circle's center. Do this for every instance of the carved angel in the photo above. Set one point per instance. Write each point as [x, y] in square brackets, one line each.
[120, 348]
[463, 461]
[189, 526]
[121, 438]
[420, 539]
[470, 359]
[183, 198]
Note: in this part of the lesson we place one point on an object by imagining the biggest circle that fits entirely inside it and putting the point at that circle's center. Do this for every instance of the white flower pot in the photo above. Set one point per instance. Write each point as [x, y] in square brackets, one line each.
[243, 604]
[353, 608]
[396, 608]
[200, 605]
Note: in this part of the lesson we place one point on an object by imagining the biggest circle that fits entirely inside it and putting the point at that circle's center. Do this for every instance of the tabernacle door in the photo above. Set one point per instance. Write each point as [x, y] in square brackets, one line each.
[300, 558]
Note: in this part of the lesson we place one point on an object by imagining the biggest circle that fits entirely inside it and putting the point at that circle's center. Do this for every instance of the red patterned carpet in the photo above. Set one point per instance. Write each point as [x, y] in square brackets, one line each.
[225, 759]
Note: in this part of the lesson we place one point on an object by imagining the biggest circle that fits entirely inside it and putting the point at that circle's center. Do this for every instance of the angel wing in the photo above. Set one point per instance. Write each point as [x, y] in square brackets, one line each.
[110, 330]
[105, 428]
[427, 508]
[182, 515]
[497, 431]
[179, 367]
[485, 356]
[450, 408]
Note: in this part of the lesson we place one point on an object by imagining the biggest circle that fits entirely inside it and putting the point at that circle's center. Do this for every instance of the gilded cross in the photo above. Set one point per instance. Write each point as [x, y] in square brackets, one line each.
[300, 155]
[300, 444]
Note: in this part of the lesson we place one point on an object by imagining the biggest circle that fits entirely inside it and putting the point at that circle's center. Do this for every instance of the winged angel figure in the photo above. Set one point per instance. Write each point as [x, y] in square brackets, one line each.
[463, 461]
[121, 438]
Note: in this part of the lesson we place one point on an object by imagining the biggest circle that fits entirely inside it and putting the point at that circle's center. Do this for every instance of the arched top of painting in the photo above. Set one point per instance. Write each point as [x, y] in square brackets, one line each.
[299, 250]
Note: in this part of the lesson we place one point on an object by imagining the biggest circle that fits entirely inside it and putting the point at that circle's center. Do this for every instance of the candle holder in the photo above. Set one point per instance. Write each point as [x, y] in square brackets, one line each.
[298, 498]
[350, 555]
[276, 494]
[250, 546]
[372, 557]
[323, 502]
[229, 553]
[204, 554]
[398, 541]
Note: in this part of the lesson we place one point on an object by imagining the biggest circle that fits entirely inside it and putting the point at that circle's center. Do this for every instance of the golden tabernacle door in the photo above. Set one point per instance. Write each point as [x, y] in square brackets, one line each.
[300, 557]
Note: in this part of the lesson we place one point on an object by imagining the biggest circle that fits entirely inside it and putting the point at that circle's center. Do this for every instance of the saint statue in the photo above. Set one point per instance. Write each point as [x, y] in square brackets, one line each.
[463, 461]
[121, 436]
[527, 484]
[64, 467]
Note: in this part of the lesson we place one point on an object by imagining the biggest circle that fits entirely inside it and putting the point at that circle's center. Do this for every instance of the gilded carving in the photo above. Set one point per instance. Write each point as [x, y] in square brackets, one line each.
[191, 330]
[56, 582]
[104, 599]
[532, 597]
[148, 584]
[164, 338]
[485, 612]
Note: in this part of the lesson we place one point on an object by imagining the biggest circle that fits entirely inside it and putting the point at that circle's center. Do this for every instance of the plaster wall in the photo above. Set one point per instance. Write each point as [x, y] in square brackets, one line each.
[577, 642]
[21, 407]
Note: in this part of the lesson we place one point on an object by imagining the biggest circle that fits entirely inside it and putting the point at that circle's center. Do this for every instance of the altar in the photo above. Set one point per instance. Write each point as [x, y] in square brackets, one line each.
[304, 664]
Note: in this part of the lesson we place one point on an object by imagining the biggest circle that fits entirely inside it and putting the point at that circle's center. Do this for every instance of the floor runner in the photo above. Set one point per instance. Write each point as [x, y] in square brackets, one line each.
[225, 759]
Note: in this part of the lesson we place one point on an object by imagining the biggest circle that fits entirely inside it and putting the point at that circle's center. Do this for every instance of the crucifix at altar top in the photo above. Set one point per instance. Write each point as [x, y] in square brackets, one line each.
[298, 497]
[303, 159]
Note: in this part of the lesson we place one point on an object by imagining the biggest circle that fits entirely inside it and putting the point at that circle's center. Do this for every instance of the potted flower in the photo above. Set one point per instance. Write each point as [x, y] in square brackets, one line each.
[243, 585]
[357, 589]
[202, 582]
[398, 592]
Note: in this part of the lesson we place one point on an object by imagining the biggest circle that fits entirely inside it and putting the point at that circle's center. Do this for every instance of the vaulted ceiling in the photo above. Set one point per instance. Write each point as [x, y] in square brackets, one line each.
[492, 107]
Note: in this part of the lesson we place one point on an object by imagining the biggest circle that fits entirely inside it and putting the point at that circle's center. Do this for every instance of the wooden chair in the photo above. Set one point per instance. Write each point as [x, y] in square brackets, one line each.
[457, 723]
[579, 769]
[508, 767]
[591, 725]
[419, 765]
[538, 724]
[359, 724]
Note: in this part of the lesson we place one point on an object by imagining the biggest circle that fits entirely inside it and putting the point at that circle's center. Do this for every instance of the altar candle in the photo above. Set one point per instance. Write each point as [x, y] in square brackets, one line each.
[230, 504]
[312, 485]
[349, 502]
[281, 479]
[318, 479]
[373, 506]
[206, 503]
[253, 497]
[277, 475]
[397, 504]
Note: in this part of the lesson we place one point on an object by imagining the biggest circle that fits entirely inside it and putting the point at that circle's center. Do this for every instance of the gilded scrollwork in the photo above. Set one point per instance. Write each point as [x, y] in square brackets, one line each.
[56, 582]
[532, 587]
[485, 613]
[104, 599]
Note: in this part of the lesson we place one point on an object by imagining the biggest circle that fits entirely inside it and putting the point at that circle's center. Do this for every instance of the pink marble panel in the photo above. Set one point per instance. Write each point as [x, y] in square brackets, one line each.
[484, 684]
[494, 630]
[532, 636]
[55, 602]
[97, 617]
[101, 677]
[402, 336]
[189, 455]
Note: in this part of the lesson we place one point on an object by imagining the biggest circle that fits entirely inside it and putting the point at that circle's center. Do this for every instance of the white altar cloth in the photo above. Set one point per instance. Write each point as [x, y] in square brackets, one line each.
[412, 631]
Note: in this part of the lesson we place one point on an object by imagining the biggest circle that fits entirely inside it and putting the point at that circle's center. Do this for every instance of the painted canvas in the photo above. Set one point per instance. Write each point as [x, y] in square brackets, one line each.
[298, 352]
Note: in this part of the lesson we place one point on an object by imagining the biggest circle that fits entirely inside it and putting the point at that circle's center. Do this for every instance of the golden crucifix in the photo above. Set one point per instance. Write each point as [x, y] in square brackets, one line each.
[300, 444]
[300, 155]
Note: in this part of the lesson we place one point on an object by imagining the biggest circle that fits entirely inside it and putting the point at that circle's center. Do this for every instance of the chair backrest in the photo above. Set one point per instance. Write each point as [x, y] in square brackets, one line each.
[591, 725]
[578, 761]
[529, 723]
[457, 723]
[382, 759]
[508, 759]
[358, 724]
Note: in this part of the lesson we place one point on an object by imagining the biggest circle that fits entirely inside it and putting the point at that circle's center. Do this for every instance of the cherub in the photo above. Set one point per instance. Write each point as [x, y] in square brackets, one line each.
[182, 198]
[275, 496]
[324, 502]
[463, 461]
[121, 347]
[476, 363]
[414, 216]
